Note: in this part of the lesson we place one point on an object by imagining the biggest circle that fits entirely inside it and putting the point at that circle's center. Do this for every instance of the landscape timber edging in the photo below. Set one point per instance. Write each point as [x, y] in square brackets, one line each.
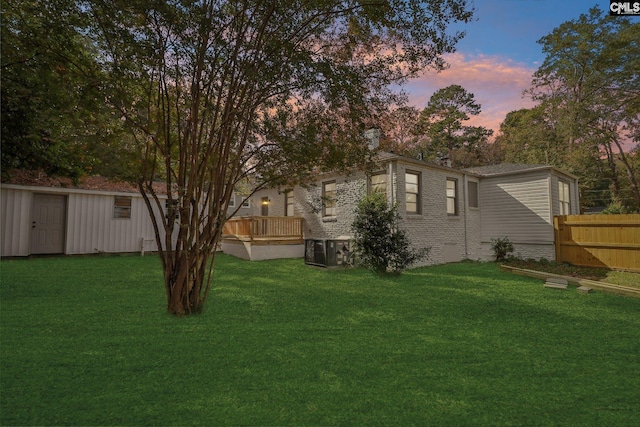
[593, 284]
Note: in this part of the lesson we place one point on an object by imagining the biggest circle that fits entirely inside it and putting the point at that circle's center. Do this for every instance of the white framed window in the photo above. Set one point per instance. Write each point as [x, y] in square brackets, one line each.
[472, 189]
[122, 207]
[412, 192]
[246, 203]
[378, 183]
[232, 201]
[288, 204]
[329, 198]
[452, 196]
[564, 198]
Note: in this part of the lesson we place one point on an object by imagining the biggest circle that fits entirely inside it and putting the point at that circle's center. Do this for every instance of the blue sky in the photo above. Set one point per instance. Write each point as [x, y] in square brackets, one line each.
[500, 53]
[511, 28]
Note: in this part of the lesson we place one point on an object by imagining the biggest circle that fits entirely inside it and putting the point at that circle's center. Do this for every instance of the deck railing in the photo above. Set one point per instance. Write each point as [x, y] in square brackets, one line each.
[264, 227]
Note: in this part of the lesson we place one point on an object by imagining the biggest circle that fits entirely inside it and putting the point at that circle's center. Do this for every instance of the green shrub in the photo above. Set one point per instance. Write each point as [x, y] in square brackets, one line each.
[616, 208]
[380, 243]
[502, 248]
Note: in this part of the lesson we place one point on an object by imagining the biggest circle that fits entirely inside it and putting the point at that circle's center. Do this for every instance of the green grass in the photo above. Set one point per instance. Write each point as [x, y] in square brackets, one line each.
[87, 341]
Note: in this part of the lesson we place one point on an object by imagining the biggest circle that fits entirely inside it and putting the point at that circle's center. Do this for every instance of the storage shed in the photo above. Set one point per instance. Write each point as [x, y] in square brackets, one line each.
[38, 219]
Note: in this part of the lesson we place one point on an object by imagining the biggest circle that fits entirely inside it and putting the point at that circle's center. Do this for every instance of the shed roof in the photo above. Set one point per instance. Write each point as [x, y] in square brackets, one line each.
[96, 183]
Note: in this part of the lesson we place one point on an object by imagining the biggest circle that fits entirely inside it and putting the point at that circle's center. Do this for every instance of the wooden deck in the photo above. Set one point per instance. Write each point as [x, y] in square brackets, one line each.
[263, 237]
[265, 229]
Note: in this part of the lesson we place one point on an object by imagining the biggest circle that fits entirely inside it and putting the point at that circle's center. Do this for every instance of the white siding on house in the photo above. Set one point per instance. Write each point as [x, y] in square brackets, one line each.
[517, 206]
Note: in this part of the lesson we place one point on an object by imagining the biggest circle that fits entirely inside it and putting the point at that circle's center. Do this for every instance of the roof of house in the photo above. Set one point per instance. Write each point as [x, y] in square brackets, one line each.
[511, 168]
[503, 168]
[388, 156]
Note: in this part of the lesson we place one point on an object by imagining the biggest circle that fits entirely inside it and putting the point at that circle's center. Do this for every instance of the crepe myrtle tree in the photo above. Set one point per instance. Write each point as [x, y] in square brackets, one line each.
[270, 91]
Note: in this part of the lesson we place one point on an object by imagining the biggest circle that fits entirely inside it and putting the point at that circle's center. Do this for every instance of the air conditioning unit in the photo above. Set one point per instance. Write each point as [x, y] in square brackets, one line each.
[327, 252]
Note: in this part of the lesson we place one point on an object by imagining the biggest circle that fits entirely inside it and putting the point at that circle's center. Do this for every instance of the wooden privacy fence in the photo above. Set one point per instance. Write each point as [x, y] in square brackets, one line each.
[264, 227]
[611, 241]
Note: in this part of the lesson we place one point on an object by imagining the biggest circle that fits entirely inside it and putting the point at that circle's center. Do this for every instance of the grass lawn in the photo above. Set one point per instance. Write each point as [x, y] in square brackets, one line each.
[87, 341]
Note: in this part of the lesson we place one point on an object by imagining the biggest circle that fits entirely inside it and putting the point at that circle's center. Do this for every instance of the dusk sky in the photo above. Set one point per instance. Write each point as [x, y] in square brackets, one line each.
[500, 53]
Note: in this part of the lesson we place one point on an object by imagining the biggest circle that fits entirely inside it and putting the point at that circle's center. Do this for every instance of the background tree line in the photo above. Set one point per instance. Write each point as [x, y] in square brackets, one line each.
[587, 121]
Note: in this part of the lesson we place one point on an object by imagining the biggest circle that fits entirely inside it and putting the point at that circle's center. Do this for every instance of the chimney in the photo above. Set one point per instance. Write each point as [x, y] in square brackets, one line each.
[373, 138]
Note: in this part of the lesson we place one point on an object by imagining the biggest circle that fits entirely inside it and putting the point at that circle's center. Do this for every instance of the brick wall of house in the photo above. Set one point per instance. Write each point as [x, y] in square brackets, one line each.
[451, 238]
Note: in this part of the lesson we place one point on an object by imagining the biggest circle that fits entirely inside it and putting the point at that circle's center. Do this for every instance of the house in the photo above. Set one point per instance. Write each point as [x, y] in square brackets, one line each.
[454, 212]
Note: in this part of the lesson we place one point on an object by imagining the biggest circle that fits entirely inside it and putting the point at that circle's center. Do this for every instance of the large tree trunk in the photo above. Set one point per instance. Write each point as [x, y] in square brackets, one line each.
[187, 256]
[187, 283]
[613, 170]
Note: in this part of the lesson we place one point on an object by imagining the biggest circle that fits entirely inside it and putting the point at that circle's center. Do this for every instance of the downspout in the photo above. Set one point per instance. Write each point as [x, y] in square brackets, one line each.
[392, 183]
[466, 212]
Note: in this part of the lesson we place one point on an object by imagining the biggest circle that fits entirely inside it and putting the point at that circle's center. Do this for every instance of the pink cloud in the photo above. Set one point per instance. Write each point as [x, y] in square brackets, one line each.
[497, 84]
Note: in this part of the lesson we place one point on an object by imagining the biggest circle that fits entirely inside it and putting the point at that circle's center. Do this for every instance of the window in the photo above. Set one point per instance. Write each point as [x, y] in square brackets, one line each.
[412, 192]
[329, 198]
[288, 203]
[472, 189]
[232, 200]
[122, 207]
[378, 183]
[246, 203]
[563, 198]
[452, 196]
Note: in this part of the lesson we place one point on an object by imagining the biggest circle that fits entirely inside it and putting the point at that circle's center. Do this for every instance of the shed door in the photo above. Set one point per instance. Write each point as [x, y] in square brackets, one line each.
[47, 224]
